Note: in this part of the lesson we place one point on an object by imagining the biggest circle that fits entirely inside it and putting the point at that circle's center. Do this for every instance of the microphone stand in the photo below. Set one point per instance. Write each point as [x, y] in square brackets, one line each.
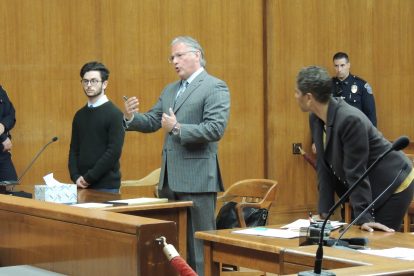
[54, 139]
[12, 183]
[399, 144]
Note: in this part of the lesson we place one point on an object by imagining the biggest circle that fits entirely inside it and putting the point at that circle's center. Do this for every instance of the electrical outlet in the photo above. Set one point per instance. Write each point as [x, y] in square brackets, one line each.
[296, 148]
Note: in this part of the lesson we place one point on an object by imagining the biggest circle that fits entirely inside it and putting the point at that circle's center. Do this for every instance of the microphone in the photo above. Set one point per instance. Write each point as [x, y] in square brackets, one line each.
[399, 144]
[368, 207]
[54, 139]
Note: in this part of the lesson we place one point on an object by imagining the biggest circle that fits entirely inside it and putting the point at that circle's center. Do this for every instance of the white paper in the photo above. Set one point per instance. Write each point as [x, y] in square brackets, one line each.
[92, 205]
[297, 224]
[269, 232]
[140, 200]
[396, 252]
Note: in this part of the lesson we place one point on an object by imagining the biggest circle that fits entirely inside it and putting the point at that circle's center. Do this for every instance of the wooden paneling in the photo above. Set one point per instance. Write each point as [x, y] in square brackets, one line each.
[45, 43]
[393, 66]
[378, 36]
[257, 47]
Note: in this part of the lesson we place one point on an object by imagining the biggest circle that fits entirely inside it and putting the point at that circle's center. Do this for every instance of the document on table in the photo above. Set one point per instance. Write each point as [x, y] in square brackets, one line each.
[269, 232]
[297, 224]
[92, 205]
[138, 201]
[287, 231]
[401, 253]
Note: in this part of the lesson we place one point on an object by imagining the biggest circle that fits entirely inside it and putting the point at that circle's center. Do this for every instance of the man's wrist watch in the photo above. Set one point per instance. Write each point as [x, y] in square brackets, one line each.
[176, 129]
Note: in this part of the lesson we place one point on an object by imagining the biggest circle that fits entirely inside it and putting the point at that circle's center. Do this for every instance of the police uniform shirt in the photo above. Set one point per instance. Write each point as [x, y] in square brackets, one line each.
[358, 93]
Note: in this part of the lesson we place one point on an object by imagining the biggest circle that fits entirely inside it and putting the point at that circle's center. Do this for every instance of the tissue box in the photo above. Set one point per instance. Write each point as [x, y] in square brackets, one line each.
[62, 193]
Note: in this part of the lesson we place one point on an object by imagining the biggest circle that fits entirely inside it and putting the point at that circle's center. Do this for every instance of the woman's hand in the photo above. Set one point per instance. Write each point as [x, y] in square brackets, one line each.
[370, 226]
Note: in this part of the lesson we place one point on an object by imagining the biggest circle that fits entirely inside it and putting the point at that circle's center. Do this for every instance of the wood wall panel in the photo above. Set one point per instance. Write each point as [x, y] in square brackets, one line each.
[45, 42]
[378, 36]
[393, 66]
[257, 47]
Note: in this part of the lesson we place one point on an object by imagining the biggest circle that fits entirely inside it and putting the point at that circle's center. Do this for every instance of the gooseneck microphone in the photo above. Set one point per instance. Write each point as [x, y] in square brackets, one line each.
[399, 144]
[54, 139]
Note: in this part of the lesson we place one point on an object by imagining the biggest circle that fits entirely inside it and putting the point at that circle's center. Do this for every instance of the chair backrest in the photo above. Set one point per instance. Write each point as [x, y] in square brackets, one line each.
[151, 179]
[144, 187]
[257, 193]
[252, 190]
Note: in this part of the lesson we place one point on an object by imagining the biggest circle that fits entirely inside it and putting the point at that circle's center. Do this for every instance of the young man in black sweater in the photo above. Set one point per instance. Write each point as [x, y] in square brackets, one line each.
[97, 135]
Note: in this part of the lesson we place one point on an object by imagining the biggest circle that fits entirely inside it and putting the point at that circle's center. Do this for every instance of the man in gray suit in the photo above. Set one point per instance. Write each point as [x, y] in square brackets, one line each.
[193, 113]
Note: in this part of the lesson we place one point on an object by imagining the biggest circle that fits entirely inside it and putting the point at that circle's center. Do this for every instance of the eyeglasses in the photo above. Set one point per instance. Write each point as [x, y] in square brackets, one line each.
[179, 55]
[93, 82]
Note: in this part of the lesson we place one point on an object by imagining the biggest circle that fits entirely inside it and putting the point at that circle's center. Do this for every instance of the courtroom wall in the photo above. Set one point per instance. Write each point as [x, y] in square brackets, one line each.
[45, 43]
[256, 46]
[377, 35]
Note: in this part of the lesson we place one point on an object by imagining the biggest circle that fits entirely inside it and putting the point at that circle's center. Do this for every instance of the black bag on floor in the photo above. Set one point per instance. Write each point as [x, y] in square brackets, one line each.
[227, 216]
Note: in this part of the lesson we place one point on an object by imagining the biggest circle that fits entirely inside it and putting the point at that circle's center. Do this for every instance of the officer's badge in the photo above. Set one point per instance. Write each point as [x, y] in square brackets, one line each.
[368, 88]
[354, 88]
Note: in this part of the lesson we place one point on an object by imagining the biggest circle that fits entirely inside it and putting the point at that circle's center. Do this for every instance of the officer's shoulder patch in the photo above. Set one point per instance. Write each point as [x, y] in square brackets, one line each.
[368, 88]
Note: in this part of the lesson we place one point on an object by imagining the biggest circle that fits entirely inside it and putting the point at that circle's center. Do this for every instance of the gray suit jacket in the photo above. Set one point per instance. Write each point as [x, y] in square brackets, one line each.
[191, 158]
[352, 145]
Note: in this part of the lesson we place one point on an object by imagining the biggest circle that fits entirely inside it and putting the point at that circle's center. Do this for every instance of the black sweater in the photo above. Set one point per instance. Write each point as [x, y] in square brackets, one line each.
[96, 146]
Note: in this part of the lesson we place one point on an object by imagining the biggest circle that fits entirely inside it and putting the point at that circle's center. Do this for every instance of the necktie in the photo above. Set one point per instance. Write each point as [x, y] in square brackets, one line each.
[183, 86]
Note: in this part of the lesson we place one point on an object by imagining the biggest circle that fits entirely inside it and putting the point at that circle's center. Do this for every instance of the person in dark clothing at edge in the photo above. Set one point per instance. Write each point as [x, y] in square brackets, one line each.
[7, 122]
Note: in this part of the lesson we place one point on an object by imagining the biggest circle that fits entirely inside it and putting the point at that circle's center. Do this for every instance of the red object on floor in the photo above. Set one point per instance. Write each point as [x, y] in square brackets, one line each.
[182, 267]
[178, 263]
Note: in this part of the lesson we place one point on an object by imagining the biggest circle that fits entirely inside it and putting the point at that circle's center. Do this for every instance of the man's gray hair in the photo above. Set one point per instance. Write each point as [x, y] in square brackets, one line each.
[315, 80]
[193, 44]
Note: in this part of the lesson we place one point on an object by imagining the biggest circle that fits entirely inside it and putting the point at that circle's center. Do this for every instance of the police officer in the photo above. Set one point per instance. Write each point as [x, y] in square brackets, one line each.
[7, 122]
[354, 90]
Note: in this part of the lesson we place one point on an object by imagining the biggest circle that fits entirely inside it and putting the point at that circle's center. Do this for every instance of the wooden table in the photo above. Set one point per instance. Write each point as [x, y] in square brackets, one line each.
[79, 241]
[170, 211]
[175, 211]
[284, 256]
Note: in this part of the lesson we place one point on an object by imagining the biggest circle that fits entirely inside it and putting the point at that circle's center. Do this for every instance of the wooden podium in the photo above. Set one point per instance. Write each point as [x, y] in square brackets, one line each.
[78, 241]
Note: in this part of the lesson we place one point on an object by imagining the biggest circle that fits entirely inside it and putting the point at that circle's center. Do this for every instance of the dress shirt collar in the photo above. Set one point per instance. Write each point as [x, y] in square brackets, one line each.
[103, 99]
[194, 75]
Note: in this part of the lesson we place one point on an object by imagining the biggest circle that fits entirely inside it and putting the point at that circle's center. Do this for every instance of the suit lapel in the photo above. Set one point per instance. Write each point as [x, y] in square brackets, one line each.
[319, 132]
[191, 87]
[173, 93]
[333, 107]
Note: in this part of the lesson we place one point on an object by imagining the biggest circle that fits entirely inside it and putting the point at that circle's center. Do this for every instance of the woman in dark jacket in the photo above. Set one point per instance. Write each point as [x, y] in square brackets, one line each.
[347, 144]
